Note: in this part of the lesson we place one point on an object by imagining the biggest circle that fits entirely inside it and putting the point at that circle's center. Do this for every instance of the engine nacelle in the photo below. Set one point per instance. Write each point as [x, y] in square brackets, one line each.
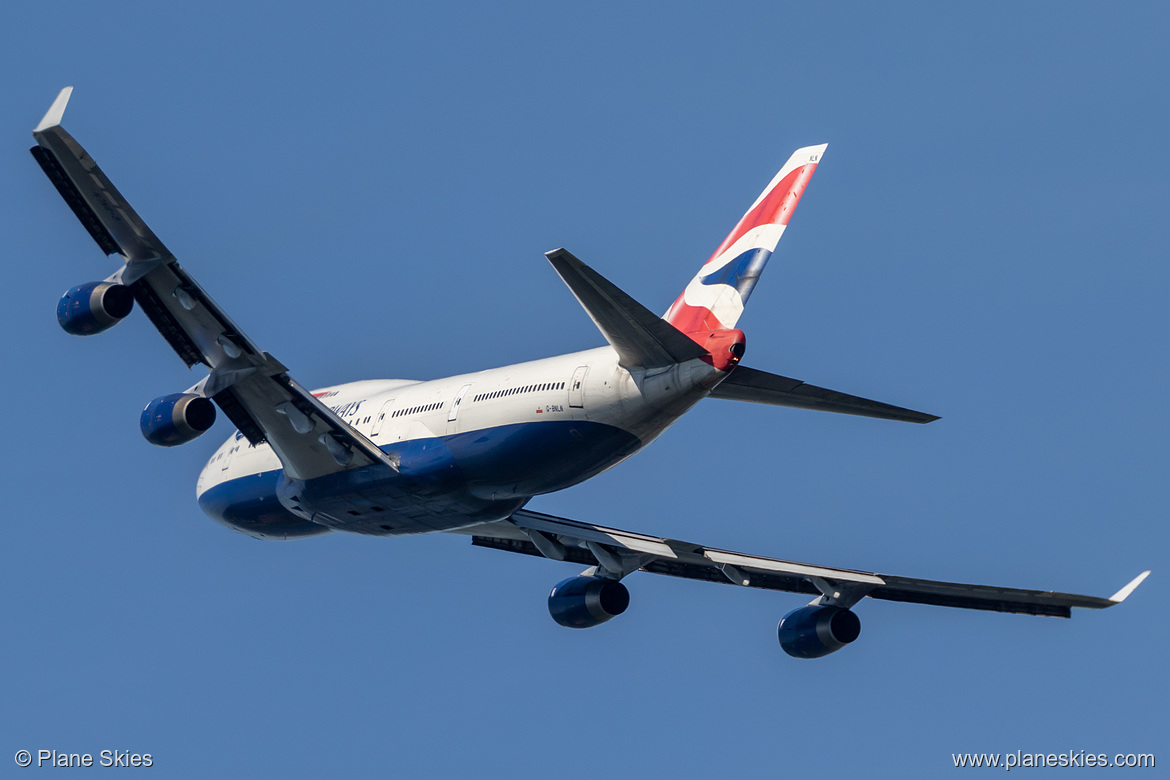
[91, 308]
[813, 632]
[584, 602]
[176, 419]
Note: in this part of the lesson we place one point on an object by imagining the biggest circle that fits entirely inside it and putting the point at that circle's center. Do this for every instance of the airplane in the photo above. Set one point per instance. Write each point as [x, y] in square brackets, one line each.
[465, 454]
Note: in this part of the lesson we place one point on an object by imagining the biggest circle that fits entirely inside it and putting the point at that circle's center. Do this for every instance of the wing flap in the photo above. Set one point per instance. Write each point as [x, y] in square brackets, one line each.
[761, 387]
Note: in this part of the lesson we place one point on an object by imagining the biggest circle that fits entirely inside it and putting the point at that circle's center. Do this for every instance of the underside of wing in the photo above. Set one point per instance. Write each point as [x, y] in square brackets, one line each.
[617, 553]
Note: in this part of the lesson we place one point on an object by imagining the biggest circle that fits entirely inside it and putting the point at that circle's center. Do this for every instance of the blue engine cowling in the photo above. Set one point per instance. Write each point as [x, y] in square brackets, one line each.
[91, 308]
[584, 602]
[176, 419]
[813, 632]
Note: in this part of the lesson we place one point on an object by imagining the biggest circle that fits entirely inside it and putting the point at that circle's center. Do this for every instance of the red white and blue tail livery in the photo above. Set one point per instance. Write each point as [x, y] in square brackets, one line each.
[464, 454]
[715, 298]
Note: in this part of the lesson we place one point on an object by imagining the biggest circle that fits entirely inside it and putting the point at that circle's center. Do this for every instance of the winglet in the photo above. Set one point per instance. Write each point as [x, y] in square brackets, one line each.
[53, 116]
[1123, 594]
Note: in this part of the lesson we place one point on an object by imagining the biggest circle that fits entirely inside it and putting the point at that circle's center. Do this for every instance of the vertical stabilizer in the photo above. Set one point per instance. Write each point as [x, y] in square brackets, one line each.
[715, 298]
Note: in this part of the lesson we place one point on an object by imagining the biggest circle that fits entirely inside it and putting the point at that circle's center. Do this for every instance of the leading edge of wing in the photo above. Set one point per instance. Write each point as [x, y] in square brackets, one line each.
[578, 541]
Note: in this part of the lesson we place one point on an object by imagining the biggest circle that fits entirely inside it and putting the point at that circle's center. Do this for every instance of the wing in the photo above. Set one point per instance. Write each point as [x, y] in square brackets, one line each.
[621, 552]
[252, 388]
[760, 387]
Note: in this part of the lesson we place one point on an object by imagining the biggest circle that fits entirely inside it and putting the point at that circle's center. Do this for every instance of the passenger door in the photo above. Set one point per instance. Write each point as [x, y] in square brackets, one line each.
[577, 387]
[381, 418]
[453, 415]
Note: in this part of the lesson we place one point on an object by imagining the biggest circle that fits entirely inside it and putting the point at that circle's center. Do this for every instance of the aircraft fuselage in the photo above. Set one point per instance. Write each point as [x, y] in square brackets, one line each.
[469, 449]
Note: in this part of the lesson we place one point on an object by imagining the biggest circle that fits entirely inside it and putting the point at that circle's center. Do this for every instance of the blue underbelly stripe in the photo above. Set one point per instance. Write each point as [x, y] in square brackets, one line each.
[453, 476]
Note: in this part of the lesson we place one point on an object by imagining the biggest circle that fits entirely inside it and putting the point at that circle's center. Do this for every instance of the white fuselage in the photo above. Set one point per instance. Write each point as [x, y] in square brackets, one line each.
[471, 448]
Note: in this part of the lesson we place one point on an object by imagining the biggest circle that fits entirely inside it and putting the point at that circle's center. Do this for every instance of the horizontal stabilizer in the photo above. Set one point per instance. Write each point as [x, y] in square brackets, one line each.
[640, 336]
[760, 387]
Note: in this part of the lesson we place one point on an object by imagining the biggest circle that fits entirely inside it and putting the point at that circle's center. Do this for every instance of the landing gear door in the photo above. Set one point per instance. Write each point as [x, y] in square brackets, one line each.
[577, 387]
[381, 418]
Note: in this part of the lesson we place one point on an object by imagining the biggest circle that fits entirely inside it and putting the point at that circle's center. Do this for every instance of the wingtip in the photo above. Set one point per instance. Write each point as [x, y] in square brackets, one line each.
[1123, 594]
[560, 255]
[52, 117]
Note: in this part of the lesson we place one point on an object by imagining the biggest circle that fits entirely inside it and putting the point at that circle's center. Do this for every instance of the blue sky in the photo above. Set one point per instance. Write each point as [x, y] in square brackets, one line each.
[369, 189]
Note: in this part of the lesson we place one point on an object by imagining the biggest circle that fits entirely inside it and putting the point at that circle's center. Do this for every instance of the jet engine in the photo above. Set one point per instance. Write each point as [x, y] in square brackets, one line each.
[584, 602]
[176, 419]
[91, 308]
[813, 632]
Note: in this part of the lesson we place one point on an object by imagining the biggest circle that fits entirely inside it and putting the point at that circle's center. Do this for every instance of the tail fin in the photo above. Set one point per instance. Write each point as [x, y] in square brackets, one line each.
[715, 298]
